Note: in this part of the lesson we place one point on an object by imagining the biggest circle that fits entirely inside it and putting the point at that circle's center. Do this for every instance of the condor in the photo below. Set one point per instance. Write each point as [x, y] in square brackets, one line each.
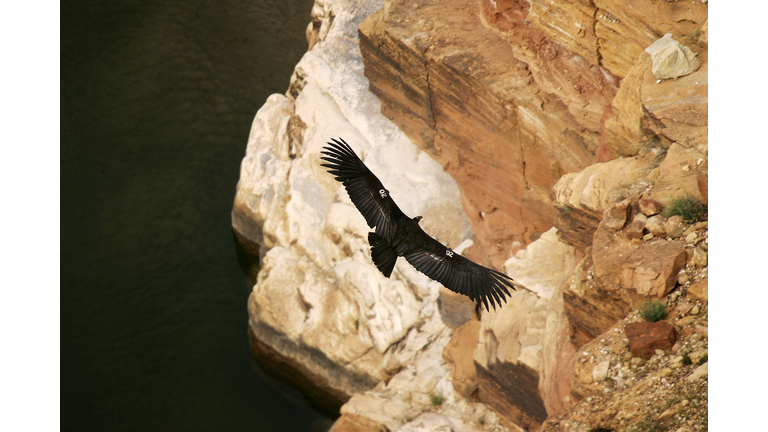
[397, 235]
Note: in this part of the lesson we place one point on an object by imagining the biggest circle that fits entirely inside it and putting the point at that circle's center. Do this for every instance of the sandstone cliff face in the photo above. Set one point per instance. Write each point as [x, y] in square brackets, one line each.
[534, 137]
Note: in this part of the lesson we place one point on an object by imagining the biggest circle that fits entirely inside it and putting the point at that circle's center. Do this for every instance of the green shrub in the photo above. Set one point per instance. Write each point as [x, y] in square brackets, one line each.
[687, 360]
[704, 359]
[688, 207]
[437, 399]
[653, 311]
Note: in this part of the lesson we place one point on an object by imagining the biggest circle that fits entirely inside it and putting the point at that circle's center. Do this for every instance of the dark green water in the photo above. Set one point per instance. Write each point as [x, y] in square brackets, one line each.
[157, 99]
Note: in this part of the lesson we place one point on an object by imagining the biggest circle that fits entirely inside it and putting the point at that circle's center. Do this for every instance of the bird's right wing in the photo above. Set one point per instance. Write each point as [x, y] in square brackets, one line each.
[364, 188]
[459, 274]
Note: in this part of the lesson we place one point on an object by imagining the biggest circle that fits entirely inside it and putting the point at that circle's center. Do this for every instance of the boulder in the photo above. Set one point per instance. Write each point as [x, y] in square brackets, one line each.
[699, 258]
[645, 337]
[616, 216]
[655, 225]
[671, 59]
[674, 226]
[649, 207]
[700, 289]
[652, 268]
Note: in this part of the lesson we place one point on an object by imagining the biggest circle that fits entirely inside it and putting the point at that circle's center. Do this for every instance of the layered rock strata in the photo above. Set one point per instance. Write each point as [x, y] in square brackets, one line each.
[533, 137]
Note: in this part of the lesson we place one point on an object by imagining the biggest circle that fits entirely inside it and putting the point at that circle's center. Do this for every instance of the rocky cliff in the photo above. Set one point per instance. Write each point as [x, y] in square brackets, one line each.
[562, 142]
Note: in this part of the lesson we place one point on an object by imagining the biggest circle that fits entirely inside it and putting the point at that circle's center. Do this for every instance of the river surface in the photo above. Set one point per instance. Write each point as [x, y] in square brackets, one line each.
[157, 99]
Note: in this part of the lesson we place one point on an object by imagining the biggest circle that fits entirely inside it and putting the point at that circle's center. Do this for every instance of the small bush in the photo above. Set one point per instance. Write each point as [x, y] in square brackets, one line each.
[704, 359]
[687, 360]
[653, 311]
[689, 208]
[437, 399]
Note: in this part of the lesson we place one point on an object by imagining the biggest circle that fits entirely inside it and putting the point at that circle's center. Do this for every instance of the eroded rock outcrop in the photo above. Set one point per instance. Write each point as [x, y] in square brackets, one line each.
[544, 146]
[319, 306]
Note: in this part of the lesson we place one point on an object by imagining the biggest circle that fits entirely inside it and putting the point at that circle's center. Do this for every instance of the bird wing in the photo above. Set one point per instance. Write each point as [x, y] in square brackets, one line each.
[364, 188]
[459, 274]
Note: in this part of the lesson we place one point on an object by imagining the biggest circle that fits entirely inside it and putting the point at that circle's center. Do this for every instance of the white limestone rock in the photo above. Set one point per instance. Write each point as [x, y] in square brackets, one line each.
[540, 267]
[318, 289]
[671, 59]
[600, 372]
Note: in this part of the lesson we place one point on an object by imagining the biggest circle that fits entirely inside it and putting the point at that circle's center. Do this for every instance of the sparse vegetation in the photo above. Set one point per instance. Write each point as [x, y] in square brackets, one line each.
[437, 399]
[687, 360]
[653, 311]
[704, 359]
[688, 207]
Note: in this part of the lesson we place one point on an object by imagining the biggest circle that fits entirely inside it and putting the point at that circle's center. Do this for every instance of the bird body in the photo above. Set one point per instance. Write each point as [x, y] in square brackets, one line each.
[397, 235]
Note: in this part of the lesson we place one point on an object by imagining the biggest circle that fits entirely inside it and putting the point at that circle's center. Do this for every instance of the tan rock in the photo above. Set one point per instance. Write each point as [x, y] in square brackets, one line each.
[459, 355]
[700, 289]
[699, 372]
[653, 267]
[609, 253]
[699, 257]
[674, 226]
[593, 302]
[674, 181]
[576, 226]
[696, 227]
[616, 216]
[635, 229]
[680, 108]
[669, 412]
[655, 225]
[649, 207]
[684, 321]
[582, 197]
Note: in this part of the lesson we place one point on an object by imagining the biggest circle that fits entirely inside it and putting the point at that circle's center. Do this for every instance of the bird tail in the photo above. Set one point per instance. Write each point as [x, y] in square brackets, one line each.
[383, 254]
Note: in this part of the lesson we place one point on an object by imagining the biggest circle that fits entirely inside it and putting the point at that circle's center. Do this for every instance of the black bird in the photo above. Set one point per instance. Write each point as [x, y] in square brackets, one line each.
[398, 235]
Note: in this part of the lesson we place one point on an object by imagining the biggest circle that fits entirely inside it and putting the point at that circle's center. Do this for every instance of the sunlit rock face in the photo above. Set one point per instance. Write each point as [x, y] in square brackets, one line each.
[532, 137]
[469, 97]
[319, 302]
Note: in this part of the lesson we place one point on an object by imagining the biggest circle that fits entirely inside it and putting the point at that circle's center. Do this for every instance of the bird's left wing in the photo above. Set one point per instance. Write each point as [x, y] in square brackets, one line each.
[459, 274]
[364, 188]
